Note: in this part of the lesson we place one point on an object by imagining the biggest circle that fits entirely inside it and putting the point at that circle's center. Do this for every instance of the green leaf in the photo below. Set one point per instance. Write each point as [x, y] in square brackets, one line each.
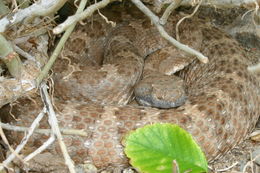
[154, 147]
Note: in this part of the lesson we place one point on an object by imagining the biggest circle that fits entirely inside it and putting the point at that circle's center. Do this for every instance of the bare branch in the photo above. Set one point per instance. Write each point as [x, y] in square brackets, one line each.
[159, 4]
[186, 17]
[2, 134]
[43, 131]
[175, 4]
[228, 168]
[39, 8]
[46, 99]
[24, 140]
[80, 16]
[23, 53]
[59, 46]
[43, 147]
[165, 35]
[55, 127]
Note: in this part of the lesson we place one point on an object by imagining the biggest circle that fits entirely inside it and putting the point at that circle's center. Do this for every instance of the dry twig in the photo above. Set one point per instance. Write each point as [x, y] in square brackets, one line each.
[249, 164]
[9, 146]
[165, 35]
[46, 99]
[223, 3]
[43, 147]
[40, 8]
[23, 53]
[59, 46]
[186, 17]
[175, 4]
[24, 140]
[55, 127]
[80, 16]
[224, 169]
[43, 131]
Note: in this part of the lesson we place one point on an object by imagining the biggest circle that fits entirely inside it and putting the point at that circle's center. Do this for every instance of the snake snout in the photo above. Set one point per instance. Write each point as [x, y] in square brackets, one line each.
[166, 92]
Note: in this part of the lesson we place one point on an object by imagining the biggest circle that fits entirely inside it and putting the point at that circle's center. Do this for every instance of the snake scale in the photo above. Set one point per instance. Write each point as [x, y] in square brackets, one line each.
[223, 97]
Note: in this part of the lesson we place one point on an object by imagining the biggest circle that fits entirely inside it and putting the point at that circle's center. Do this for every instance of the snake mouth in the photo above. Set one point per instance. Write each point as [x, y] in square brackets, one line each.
[151, 101]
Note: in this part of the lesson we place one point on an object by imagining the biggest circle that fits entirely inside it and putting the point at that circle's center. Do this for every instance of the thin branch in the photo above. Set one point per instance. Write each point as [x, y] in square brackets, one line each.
[250, 163]
[165, 35]
[23, 53]
[226, 169]
[14, 5]
[175, 4]
[24, 140]
[39, 8]
[113, 24]
[186, 17]
[80, 16]
[9, 146]
[47, 102]
[55, 127]
[43, 147]
[59, 47]
[223, 3]
[43, 131]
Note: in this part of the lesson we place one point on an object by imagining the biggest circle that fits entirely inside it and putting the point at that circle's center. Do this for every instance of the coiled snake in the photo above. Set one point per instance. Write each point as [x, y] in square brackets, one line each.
[223, 97]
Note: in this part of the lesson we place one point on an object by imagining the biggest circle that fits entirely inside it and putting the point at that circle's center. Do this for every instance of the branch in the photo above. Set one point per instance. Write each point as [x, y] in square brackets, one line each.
[43, 131]
[175, 4]
[23, 53]
[43, 147]
[2, 134]
[55, 127]
[80, 16]
[59, 46]
[39, 8]
[186, 17]
[24, 140]
[250, 4]
[224, 3]
[165, 35]
[47, 102]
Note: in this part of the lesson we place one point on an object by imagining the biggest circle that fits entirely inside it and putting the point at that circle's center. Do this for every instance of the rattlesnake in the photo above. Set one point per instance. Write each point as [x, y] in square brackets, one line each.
[223, 97]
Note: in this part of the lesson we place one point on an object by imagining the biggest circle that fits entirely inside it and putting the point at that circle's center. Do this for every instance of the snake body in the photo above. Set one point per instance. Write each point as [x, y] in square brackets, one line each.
[223, 97]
